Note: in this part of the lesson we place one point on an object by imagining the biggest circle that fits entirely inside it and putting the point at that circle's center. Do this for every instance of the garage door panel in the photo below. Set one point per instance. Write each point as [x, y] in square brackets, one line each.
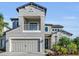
[25, 45]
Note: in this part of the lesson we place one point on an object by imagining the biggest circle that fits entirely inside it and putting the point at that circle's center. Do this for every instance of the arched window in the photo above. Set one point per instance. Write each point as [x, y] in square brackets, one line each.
[46, 29]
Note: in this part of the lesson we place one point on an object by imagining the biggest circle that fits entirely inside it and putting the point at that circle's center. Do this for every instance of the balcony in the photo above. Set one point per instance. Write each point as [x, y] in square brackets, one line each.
[31, 27]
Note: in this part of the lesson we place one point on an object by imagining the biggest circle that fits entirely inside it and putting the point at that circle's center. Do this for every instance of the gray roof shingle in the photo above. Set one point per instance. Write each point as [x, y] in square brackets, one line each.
[65, 32]
[54, 26]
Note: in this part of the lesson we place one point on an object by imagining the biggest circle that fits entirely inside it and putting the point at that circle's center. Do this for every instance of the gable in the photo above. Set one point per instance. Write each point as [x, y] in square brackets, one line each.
[34, 5]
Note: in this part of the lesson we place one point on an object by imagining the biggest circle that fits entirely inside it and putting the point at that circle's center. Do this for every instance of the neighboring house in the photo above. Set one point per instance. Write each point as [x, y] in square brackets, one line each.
[2, 39]
[30, 33]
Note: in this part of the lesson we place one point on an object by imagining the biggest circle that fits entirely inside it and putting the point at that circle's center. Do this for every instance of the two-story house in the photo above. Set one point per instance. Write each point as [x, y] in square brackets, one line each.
[30, 33]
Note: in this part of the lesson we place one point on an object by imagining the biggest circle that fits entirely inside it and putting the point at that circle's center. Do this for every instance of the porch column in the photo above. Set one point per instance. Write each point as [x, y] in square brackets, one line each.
[21, 22]
[42, 44]
[52, 40]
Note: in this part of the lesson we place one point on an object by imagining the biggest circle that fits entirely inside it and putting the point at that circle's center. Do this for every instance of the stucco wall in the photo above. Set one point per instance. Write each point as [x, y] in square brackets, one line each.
[59, 35]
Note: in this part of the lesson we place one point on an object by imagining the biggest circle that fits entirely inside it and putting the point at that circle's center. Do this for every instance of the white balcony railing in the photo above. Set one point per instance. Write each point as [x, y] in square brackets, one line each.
[31, 26]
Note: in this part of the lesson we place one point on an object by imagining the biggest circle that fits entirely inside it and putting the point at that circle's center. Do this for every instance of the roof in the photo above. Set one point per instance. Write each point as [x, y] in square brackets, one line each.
[57, 26]
[31, 3]
[54, 26]
[13, 19]
[48, 24]
[8, 27]
[65, 32]
[9, 30]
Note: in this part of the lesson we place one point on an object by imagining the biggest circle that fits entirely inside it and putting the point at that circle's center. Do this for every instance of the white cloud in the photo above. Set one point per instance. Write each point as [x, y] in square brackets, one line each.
[70, 17]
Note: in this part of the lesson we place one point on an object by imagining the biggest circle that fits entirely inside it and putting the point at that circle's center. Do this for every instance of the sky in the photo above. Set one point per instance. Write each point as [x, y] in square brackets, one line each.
[62, 13]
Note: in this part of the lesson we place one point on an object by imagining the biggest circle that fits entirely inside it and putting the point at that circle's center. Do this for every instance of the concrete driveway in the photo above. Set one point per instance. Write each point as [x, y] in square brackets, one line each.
[21, 54]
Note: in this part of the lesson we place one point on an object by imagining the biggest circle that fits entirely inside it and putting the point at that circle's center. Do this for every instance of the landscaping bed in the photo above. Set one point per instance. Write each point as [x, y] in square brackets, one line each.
[64, 47]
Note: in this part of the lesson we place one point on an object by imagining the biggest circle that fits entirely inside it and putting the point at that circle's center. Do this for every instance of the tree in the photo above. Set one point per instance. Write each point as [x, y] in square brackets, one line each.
[76, 41]
[64, 41]
[2, 24]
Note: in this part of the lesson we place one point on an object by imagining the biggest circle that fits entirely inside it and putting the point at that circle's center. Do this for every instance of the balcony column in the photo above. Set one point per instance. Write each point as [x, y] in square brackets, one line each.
[21, 22]
[37, 26]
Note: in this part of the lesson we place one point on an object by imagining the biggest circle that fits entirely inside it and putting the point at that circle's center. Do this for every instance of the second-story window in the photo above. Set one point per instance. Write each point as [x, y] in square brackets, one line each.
[52, 29]
[46, 29]
[33, 26]
[15, 24]
[55, 29]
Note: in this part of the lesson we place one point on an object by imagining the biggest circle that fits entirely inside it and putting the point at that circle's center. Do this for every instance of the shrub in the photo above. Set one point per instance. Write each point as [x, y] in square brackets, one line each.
[72, 48]
[60, 50]
[66, 46]
[64, 50]
[56, 47]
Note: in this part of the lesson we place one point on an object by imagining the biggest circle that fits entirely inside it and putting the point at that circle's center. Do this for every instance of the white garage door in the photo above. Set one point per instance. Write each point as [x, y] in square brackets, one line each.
[25, 45]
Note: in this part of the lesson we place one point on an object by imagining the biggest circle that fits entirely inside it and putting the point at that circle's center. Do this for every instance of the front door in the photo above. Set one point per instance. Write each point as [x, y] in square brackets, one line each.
[46, 43]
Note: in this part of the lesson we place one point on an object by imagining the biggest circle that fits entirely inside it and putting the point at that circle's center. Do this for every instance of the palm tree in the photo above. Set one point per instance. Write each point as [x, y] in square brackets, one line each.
[2, 25]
